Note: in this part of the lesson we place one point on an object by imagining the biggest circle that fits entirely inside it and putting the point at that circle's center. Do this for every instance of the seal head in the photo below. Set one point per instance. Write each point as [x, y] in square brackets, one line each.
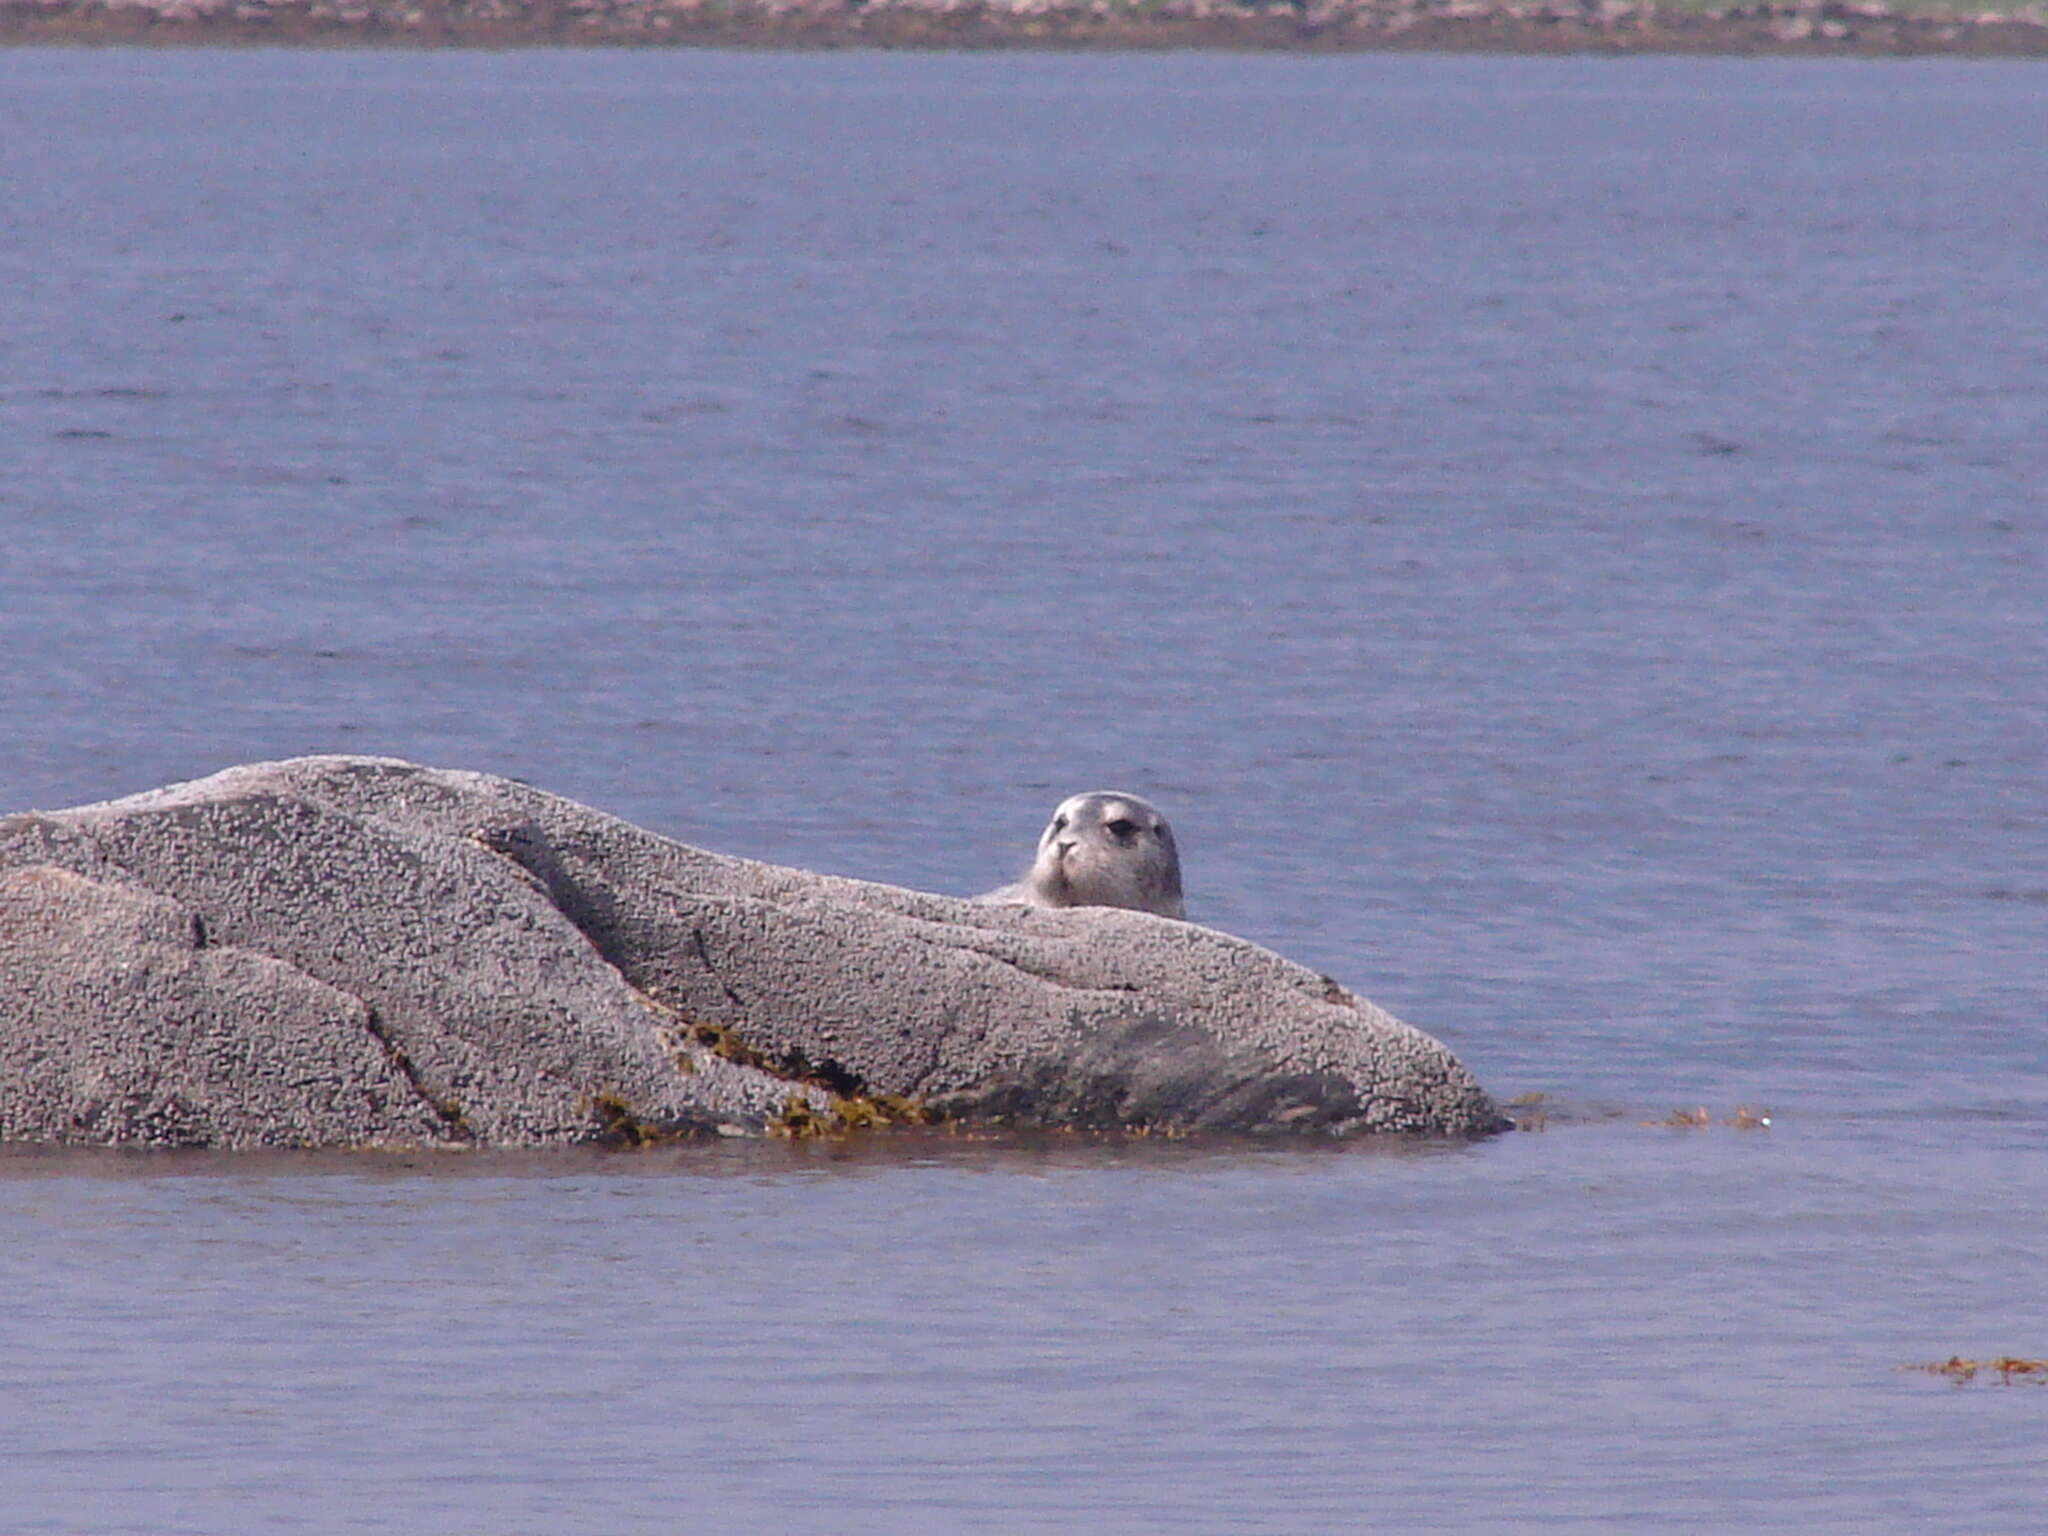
[1104, 848]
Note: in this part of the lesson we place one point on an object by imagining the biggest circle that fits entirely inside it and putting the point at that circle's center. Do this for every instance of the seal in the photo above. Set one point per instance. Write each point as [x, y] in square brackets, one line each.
[1102, 849]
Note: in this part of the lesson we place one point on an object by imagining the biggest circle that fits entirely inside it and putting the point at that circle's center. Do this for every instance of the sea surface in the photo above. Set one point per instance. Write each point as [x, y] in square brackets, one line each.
[1566, 541]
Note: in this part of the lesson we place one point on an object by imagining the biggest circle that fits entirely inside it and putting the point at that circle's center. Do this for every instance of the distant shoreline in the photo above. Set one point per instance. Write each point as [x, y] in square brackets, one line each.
[1782, 27]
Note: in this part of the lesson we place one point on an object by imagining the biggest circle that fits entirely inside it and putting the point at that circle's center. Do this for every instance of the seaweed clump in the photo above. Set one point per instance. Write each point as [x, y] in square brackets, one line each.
[2008, 1369]
[619, 1124]
[1744, 1119]
[852, 1106]
[801, 1120]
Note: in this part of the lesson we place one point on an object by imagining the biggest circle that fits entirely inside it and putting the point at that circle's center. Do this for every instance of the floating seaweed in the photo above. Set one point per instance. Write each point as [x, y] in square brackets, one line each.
[2007, 1368]
[1700, 1118]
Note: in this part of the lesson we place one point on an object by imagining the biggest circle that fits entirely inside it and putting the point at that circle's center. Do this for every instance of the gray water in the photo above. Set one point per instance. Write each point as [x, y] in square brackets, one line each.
[1563, 539]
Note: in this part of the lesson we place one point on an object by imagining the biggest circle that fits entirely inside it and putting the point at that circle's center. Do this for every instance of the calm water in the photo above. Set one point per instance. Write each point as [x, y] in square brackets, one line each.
[1563, 539]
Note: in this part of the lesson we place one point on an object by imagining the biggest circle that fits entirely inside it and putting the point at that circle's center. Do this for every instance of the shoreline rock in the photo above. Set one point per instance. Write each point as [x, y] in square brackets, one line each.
[347, 951]
[1798, 27]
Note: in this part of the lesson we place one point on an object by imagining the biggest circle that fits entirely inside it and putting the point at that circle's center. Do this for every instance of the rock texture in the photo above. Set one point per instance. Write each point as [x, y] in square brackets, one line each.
[346, 951]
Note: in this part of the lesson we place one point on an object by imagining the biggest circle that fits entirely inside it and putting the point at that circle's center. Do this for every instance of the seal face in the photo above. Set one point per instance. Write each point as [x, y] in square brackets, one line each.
[1104, 848]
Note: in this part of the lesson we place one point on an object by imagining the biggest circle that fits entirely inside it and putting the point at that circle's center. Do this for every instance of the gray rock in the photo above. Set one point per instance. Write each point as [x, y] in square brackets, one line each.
[345, 951]
[123, 1027]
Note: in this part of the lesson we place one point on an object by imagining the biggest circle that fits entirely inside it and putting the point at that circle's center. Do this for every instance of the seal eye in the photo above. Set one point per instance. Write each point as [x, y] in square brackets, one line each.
[1124, 829]
[1059, 823]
